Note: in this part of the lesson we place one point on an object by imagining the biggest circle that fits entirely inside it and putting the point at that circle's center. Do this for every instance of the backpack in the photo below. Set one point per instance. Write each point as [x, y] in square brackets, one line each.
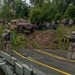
[72, 39]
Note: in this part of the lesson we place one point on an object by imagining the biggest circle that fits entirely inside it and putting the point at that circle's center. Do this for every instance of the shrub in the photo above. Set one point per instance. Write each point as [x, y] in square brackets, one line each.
[70, 12]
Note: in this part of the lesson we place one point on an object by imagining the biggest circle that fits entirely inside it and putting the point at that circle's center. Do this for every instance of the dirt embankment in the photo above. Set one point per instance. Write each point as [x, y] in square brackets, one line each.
[42, 39]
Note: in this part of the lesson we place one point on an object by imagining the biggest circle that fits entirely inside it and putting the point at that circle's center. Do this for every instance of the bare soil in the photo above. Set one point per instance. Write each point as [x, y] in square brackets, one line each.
[44, 39]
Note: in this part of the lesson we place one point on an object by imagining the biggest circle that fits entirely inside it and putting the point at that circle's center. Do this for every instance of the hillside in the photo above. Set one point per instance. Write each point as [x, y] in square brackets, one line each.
[49, 39]
[42, 39]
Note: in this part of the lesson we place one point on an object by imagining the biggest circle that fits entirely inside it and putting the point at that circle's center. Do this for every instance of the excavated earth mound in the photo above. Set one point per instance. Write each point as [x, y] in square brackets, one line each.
[42, 39]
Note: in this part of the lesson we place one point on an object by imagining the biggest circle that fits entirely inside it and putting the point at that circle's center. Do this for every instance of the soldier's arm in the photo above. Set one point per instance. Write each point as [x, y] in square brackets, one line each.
[68, 36]
[3, 35]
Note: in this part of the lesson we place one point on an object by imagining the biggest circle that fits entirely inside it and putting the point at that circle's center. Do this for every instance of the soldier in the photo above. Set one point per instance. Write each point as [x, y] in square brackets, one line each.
[72, 45]
[70, 22]
[6, 40]
[71, 48]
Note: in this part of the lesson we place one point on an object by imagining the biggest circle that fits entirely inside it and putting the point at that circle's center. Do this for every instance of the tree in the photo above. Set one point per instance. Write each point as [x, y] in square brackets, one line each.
[61, 5]
[12, 9]
[34, 2]
[70, 12]
[21, 9]
[6, 12]
[1, 4]
[46, 12]
[35, 14]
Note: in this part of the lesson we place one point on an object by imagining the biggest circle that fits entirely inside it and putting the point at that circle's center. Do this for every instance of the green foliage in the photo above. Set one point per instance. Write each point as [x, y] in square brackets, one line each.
[58, 16]
[46, 12]
[18, 41]
[21, 10]
[12, 9]
[62, 5]
[6, 12]
[41, 11]
[35, 45]
[70, 12]
[35, 14]
[35, 2]
[1, 4]
[52, 10]
[1, 29]
[61, 32]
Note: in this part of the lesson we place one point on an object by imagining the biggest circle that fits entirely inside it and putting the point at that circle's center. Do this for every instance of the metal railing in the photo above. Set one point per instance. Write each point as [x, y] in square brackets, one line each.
[14, 66]
[11, 66]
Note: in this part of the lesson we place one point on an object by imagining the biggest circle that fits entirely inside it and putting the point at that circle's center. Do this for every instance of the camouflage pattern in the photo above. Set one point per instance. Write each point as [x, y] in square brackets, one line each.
[71, 49]
[25, 26]
[1, 21]
[12, 24]
[21, 25]
[6, 42]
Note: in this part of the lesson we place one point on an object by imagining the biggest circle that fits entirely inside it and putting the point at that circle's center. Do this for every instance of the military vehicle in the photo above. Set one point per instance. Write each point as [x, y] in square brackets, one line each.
[21, 25]
[1, 21]
[13, 24]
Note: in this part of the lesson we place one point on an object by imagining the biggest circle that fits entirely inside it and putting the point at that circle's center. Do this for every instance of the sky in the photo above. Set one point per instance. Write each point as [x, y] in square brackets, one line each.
[27, 1]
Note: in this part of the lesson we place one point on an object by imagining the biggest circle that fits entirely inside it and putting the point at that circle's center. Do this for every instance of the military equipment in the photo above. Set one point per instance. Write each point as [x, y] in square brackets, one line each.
[24, 27]
[21, 25]
[72, 37]
[1, 21]
[12, 24]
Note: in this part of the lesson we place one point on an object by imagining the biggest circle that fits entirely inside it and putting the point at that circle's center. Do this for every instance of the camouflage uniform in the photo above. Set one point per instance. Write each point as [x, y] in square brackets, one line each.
[71, 49]
[6, 42]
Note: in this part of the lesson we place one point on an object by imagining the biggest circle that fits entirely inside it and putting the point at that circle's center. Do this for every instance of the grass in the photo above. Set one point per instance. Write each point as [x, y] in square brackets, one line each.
[20, 41]
[61, 32]
[35, 44]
